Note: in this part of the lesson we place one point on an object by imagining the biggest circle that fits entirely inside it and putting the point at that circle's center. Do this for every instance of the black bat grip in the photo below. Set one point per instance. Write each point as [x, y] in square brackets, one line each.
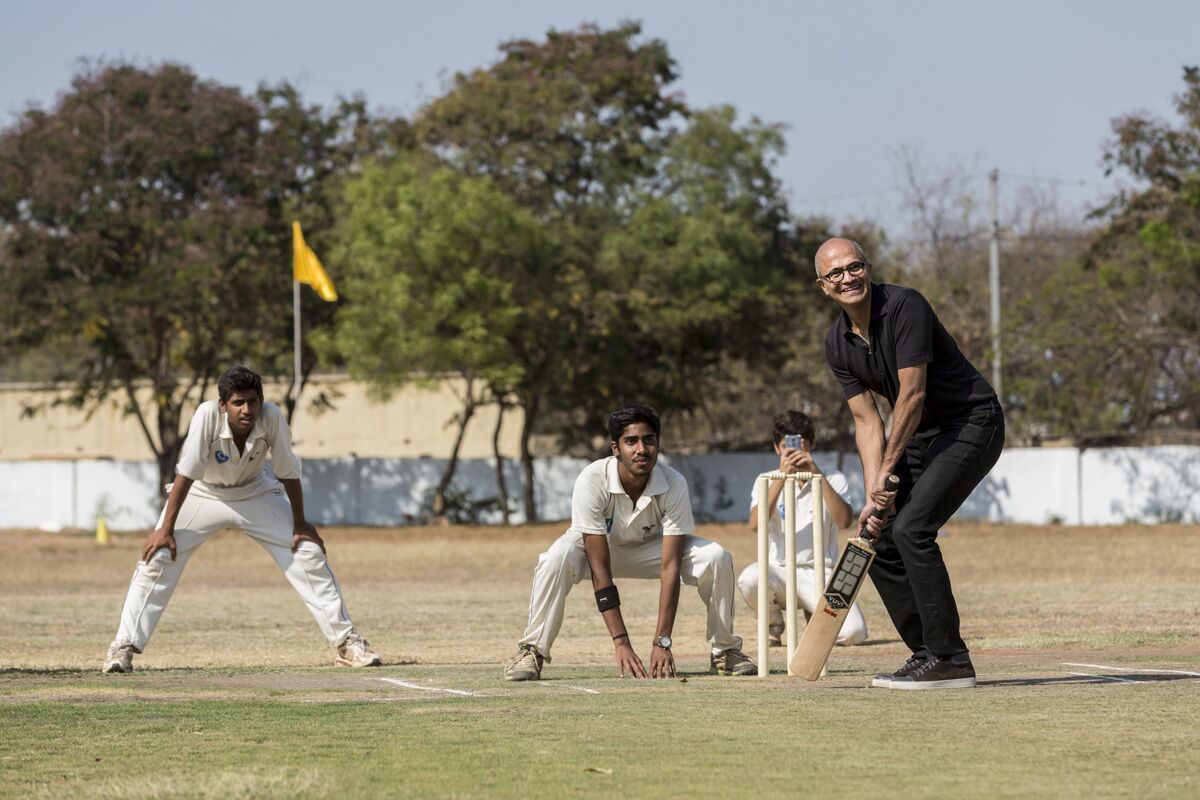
[893, 484]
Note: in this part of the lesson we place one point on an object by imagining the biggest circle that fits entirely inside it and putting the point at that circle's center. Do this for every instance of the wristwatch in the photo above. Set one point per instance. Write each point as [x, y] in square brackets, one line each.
[664, 642]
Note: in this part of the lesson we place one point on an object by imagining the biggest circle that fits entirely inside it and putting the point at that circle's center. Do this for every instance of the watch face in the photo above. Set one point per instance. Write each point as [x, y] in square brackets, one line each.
[664, 642]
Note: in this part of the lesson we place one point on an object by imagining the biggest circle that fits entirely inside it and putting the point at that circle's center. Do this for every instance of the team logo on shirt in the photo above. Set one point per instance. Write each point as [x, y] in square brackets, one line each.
[221, 457]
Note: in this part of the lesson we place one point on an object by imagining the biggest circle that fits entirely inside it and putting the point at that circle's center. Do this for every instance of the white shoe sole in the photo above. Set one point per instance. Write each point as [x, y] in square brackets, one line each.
[910, 684]
[882, 681]
[343, 662]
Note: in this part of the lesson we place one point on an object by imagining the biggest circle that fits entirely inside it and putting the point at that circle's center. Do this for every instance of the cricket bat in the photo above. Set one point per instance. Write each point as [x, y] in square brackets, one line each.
[822, 630]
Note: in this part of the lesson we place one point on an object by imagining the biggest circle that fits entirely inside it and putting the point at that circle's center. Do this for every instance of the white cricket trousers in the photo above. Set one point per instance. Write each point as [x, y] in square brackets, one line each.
[268, 520]
[706, 565]
[854, 627]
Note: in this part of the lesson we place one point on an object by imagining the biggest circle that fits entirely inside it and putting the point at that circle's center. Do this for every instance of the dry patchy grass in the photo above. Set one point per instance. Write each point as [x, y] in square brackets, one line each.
[235, 697]
[434, 595]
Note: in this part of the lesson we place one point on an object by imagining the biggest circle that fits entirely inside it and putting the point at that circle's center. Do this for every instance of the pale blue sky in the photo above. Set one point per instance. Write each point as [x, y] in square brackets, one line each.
[1029, 87]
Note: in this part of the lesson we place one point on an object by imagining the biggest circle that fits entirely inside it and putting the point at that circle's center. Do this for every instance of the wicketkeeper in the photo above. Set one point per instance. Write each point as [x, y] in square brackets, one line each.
[631, 517]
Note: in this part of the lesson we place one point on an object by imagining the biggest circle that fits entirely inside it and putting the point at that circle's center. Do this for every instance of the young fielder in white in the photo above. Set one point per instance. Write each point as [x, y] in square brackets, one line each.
[631, 518]
[221, 481]
[838, 514]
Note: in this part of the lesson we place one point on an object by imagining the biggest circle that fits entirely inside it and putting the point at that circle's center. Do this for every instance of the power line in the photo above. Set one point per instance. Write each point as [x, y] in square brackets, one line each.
[847, 195]
[1050, 179]
[1055, 180]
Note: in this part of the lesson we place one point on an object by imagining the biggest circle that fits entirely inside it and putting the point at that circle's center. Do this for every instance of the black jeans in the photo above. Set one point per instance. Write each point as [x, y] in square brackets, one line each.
[940, 468]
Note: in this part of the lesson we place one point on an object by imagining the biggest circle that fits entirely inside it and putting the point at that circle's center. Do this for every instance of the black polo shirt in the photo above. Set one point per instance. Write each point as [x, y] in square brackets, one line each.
[905, 333]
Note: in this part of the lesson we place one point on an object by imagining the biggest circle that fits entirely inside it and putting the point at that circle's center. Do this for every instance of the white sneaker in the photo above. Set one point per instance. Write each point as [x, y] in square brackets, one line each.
[524, 665]
[732, 662]
[119, 657]
[356, 652]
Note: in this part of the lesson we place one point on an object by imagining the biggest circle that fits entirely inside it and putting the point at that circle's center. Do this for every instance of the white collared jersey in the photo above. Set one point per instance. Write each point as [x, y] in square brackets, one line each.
[804, 521]
[600, 505]
[220, 470]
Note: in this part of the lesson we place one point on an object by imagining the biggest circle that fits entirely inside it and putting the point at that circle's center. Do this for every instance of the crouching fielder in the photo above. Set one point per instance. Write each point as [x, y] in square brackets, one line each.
[631, 518]
[221, 481]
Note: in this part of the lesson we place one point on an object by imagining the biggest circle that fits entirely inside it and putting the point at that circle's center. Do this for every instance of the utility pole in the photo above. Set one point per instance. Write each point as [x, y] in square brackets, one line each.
[994, 280]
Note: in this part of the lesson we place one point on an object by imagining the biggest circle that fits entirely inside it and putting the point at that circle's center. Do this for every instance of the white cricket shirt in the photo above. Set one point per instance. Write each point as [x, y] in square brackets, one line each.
[804, 522]
[220, 471]
[600, 505]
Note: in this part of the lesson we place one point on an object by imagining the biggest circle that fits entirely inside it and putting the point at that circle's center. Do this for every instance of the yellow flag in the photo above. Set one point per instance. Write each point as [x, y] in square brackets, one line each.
[306, 268]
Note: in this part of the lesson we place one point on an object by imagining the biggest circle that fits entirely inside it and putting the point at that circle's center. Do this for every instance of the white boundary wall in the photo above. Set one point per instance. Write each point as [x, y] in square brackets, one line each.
[1030, 485]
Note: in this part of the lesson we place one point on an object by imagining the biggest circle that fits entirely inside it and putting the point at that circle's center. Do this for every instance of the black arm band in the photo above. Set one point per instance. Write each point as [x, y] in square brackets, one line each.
[607, 598]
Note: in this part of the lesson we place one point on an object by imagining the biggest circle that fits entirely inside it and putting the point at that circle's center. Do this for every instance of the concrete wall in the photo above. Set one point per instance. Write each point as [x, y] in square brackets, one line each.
[1030, 485]
[416, 421]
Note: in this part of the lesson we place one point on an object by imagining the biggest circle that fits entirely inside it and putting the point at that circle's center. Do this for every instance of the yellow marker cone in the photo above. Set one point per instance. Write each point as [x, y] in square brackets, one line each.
[101, 531]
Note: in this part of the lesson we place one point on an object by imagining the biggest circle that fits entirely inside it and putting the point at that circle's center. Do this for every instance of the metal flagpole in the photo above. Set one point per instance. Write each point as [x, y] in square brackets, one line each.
[296, 347]
[994, 281]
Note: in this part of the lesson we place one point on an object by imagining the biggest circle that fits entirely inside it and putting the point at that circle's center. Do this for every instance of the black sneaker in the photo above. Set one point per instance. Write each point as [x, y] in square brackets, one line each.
[937, 673]
[885, 680]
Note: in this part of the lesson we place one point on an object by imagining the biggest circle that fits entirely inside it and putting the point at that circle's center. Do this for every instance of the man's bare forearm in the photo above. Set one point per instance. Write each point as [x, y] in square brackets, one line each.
[868, 436]
[179, 492]
[668, 592]
[905, 419]
[595, 546]
[839, 510]
[295, 495]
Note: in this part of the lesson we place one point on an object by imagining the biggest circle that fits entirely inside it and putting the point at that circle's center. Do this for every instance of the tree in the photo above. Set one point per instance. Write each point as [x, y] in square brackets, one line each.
[703, 280]
[647, 247]
[566, 128]
[146, 234]
[438, 267]
[1149, 257]
[1044, 297]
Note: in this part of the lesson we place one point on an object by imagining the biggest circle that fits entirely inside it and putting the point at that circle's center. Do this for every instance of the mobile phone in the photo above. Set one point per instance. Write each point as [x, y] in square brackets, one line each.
[794, 441]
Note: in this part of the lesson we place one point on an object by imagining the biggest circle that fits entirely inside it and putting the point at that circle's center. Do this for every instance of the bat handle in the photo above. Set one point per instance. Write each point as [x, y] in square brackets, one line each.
[893, 483]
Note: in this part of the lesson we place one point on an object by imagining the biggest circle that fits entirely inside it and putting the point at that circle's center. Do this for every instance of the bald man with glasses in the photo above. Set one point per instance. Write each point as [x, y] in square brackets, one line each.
[947, 432]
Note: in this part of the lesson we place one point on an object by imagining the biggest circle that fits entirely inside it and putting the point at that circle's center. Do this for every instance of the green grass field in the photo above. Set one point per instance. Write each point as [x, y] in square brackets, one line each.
[1086, 642]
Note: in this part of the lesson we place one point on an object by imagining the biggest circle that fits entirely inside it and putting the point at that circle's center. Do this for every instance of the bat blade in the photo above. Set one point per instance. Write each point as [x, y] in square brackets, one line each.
[848, 576]
[822, 630]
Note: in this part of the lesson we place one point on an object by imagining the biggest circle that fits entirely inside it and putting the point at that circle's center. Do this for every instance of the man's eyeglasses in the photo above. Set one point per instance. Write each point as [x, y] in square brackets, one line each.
[838, 275]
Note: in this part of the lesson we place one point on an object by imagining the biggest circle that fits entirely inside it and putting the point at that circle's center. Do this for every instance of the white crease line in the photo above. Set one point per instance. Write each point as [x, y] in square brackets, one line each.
[1102, 677]
[1135, 669]
[576, 688]
[408, 685]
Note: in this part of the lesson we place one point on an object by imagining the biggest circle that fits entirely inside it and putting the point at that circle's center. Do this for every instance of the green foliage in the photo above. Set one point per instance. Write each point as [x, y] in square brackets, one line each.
[1148, 262]
[563, 125]
[146, 221]
[439, 267]
[571, 235]
[700, 271]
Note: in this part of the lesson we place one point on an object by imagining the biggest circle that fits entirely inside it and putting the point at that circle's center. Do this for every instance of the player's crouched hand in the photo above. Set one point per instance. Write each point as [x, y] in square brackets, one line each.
[662, 663]
[628, 661]
[305, 532]
[156, 541]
